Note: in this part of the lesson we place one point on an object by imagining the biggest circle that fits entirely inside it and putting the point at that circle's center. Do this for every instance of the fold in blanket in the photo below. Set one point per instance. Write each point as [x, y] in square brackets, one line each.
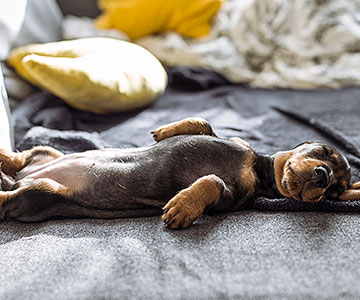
[273, 43]
[324, 115]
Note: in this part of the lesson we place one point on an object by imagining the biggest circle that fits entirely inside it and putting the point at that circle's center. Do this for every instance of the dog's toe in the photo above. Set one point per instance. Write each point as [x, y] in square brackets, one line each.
[177, 214]
[163, 132]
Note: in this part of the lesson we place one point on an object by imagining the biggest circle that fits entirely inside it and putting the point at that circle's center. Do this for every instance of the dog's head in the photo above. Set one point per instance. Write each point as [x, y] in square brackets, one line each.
[311, 171]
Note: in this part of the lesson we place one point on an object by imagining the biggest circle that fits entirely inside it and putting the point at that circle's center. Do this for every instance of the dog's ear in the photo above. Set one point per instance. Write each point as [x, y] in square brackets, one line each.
[352, 193]
[303, 143]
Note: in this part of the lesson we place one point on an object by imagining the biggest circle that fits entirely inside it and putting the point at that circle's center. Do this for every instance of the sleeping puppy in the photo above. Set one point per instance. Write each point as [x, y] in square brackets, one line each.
[188, 171]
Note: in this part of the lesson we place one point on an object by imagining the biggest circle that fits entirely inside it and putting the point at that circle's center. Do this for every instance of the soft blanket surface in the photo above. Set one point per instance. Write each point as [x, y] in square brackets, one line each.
[232, 110]
[246, 255]
[274, 43]
[291, 252]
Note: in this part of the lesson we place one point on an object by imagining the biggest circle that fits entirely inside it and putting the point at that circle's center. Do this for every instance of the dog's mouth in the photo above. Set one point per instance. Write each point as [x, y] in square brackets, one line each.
[300, 187]
[292, 192]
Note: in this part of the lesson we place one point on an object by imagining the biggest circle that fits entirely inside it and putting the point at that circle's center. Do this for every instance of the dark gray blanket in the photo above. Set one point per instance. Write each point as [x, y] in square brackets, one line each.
[290, 252]
[232, 110]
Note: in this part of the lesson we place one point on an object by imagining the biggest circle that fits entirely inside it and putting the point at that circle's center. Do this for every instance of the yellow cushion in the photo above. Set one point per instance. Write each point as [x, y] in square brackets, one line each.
[137, 18]
[100, 75]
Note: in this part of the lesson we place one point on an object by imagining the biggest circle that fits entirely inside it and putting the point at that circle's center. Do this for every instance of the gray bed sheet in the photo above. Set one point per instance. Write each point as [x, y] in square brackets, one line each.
[272, 249]
[243, 255]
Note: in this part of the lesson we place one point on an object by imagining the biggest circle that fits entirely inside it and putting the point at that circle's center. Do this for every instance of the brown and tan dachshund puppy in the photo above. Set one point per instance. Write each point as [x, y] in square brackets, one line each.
[188, 171]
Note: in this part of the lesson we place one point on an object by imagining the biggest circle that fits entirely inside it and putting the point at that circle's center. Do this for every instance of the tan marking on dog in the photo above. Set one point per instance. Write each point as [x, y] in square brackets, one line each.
[185, 126]
[11, 162]
[280, 159]
[335, 155]
[247, 176]
[351, 194]
[3, 198]
[240, 142]
[297, 170]
[314, 194]
[189, 204]
[355, 185]
[44, 185]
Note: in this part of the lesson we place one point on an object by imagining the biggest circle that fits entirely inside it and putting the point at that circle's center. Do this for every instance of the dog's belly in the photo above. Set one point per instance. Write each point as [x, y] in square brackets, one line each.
[74, 171]
[145, 177]
[67, 173]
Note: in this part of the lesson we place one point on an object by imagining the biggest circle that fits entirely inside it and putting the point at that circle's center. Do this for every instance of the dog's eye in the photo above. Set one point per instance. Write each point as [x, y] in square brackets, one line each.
[326, 151]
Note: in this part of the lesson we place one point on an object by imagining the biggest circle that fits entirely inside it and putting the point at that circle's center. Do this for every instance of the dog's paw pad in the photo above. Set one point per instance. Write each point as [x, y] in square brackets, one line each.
[180, 212]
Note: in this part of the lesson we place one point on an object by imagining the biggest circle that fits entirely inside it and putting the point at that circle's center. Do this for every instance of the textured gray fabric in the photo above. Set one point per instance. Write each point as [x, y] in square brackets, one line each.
[82, 8]
[244, 255]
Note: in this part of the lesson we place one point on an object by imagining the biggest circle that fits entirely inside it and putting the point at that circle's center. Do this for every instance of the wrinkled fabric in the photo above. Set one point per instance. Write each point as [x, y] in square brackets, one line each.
[276, 249]
[232, 110]
[274, 43]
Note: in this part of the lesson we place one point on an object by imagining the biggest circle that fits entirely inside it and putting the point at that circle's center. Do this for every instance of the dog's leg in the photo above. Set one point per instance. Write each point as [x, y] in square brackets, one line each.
[12, 162]
[6, 182]
[32, 202]
[351, 194]
[184, 208]
[186, 126]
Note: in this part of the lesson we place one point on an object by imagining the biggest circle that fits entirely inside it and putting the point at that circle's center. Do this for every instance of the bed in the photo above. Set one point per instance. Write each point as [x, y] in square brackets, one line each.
[270, 249]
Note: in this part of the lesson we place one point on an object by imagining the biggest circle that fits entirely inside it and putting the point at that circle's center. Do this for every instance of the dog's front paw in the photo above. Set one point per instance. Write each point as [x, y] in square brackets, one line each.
[351, 194]
[181, 211]
[185, 126]
[164, 132]
[355, 186]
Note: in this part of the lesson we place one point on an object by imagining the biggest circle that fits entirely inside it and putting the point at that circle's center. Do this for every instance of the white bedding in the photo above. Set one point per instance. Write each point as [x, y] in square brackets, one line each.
[5, 128]
[274, 43]
[21, 23]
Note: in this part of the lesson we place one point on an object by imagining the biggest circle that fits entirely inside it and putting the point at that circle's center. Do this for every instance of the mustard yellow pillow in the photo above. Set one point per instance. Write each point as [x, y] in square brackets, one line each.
[100, 75]
[137, 18]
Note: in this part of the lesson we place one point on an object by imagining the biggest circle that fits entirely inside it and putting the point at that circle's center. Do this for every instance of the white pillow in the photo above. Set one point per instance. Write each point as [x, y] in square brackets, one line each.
[41, 24]
[11, 18]
[5, 127]
[25, 22]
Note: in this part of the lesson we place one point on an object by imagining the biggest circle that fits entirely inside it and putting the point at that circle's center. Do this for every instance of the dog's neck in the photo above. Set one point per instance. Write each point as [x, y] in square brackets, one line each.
[264, 168]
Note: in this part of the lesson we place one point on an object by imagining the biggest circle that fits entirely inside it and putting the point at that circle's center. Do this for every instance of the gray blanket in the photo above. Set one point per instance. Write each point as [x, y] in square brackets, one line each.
[272, 249]
[244, 255]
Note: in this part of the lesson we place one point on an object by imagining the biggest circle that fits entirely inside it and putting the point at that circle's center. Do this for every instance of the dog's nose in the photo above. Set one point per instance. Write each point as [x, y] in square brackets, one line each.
[321, 177]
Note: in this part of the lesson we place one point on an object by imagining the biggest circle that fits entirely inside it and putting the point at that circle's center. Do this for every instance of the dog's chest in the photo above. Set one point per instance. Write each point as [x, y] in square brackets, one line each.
[191, 157]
